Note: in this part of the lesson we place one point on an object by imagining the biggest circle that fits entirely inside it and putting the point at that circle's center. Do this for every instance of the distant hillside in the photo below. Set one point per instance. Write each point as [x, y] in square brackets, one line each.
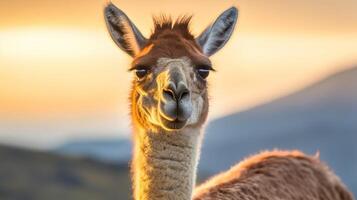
[114, 150]
[30, 175]
[322, 118]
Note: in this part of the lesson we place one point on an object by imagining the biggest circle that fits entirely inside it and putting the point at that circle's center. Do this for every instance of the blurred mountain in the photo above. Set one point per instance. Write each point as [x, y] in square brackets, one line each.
[32, 175]
[321, 118]
[108, 150]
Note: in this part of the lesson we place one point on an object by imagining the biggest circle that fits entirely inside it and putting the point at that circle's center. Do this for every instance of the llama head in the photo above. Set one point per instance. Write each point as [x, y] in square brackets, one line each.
[170, 67]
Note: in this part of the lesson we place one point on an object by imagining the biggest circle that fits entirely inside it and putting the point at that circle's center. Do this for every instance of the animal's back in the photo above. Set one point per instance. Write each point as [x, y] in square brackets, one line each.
[275, 175]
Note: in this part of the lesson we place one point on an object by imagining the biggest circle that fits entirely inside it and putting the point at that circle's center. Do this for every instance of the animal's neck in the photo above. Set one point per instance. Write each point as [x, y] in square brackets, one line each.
[164, 164]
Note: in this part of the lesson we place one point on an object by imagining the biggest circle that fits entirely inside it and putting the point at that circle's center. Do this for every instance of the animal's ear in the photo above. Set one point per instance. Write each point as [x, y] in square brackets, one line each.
[214, 37]
[123, 31]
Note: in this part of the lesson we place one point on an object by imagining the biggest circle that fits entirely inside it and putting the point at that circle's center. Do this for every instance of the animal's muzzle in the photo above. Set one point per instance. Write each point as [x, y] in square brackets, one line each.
[175, 105]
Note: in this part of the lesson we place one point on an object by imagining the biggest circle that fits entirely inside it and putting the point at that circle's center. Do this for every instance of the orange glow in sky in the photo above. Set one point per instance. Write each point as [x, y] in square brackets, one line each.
[58, 63]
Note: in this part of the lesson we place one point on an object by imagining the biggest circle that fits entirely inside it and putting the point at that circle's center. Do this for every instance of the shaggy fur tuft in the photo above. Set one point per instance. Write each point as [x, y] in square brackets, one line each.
[164, 24]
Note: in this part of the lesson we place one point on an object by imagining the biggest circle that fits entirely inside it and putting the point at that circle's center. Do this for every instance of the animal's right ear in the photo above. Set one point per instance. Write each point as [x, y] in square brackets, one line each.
[214, 37]
[123, 31]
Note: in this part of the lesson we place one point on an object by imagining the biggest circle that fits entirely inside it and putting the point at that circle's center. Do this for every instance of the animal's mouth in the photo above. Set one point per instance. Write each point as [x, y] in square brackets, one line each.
[172, 125]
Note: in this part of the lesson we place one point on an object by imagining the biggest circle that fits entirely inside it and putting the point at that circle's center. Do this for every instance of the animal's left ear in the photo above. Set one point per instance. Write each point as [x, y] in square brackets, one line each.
[214, 37]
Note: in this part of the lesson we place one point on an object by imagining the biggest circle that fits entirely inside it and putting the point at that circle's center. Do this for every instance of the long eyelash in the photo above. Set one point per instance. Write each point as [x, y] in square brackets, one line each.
[208, 67]
[135, 67]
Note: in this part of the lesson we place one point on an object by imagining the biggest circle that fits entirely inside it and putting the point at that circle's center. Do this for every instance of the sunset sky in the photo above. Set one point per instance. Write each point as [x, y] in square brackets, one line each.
[61, 76]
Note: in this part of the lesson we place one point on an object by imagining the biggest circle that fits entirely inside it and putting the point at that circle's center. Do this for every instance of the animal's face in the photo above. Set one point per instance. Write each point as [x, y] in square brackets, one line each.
[172, 93]
[170, 68]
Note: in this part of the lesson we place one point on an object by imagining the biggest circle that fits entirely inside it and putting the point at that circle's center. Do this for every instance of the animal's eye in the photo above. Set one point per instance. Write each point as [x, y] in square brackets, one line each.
[203, 72]
[140, 73]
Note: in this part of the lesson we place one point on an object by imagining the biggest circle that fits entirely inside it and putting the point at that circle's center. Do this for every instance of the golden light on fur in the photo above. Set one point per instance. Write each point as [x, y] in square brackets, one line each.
[145, 51]
[236, 171]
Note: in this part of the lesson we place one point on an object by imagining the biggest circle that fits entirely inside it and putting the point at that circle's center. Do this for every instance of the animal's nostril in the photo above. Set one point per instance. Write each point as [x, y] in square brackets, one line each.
[169, 94]
[184, 94]
[176, 93]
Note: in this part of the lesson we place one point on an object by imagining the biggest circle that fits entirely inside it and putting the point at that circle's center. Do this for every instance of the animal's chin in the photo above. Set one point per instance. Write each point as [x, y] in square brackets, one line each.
[172, 125]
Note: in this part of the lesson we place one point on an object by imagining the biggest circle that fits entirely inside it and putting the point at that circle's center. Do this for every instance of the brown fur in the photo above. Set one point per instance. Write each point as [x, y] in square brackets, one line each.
[171, 40]
[275, 175]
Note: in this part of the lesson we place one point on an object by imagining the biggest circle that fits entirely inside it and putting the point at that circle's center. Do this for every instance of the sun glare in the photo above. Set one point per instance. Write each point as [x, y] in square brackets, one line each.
[61, 70]
[41, 43]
